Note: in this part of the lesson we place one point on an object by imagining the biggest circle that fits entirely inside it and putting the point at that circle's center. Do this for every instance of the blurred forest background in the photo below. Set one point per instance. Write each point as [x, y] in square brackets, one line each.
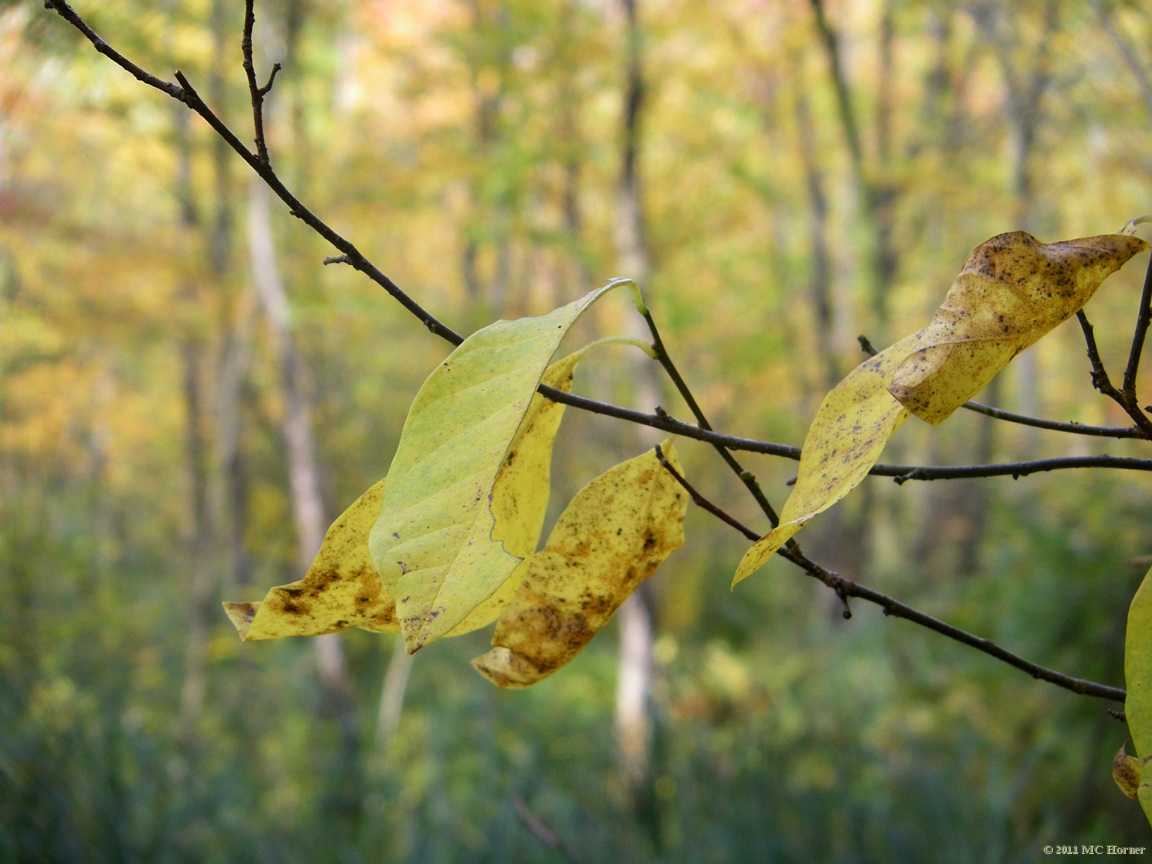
[188, 397]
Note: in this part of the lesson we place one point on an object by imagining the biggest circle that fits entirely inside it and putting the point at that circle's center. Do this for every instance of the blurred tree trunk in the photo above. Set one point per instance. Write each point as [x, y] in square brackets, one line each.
[1026, 88]
[196, 359]
[303, 470]
[958, 512]
[877, 194]
[488, 296]
[634, 711]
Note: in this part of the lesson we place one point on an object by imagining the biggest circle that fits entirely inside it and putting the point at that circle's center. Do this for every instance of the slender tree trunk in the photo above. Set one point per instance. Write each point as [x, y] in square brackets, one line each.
[304, 485]
[634, 710]
[201, 579]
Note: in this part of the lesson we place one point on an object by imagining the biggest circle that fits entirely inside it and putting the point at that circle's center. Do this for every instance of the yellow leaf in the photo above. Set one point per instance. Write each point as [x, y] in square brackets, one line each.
[1012, 290]
[613, 535]
[1138, 681]
[853, 424]
[433, 542]
[1126, 772]
[520, 493]
[341, 589]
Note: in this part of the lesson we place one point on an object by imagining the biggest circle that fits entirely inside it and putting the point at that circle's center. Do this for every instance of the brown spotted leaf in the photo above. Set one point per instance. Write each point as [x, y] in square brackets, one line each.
[1126, 771]
[341, 589]
[1012, 290]
[613, 535]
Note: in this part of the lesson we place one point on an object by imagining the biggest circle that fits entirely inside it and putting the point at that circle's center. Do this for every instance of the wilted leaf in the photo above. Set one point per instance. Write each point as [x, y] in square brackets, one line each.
[433, 543]
[341, 589]
[1138, 680]
[613, 535]
[1012, 290]
[1126, 772]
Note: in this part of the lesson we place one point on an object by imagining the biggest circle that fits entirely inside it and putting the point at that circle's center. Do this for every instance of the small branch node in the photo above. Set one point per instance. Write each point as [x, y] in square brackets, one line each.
[263, 91]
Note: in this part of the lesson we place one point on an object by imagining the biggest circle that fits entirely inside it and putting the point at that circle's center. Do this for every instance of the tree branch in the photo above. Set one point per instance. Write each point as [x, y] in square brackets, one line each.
[746, 477]
[1143, 318]
[187, 94]
[1102, 382]
[845, 588]
[258, 161]
[256, 93]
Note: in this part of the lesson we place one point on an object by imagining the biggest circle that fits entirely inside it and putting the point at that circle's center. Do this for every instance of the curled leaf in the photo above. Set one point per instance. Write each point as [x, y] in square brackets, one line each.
[1012, 290]
[613, 535]
[1126, 772]
[341, 589]
[520, 492]
[436, 543]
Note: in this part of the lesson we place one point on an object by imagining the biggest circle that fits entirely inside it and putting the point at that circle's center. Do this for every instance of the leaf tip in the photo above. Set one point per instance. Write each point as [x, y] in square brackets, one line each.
[241, 615]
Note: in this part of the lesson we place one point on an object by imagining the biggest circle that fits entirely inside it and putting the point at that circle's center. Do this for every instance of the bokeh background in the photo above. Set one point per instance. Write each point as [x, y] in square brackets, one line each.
[188, 397]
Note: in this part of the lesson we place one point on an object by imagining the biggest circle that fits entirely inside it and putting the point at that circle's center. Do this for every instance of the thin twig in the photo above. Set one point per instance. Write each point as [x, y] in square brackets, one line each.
[1055, 425]
[255, 92]
[666, 423]
[1009, 469]
[845, 588]
[1143, 318]
[187, 94]
[542, 830]
[746, 477]
[702, 502]
[66, 12]
[1102, 382]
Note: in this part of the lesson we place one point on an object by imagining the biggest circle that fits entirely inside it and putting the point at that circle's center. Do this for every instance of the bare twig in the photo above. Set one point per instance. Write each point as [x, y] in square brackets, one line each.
[1102, 382]
[845, 588]
[255, 92]
[187, 94]
[746, 477]
[542, 830]
[666, 423]
[1143, 318]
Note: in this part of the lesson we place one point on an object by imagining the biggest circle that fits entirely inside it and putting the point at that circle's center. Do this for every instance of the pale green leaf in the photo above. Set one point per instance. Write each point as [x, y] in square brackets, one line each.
[1138, 682]
[433, 542]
